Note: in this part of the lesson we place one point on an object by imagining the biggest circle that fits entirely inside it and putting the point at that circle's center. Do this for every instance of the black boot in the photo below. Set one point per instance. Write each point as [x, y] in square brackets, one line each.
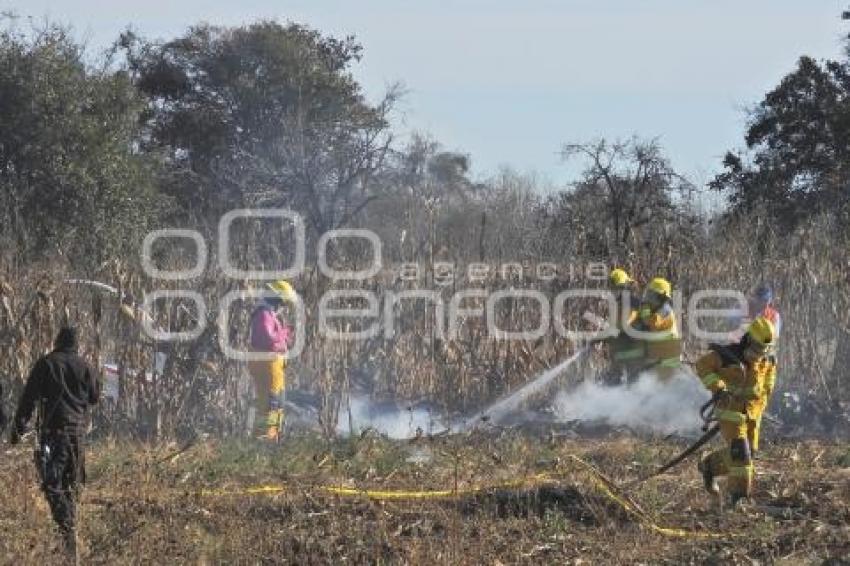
[738, 500]
[708, 478]
[69, 545]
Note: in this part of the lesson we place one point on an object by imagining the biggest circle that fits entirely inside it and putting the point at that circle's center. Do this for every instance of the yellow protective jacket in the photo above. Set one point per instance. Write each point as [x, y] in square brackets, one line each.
[663, 347]
[626, 309]
[623, 348]
[662, 321]
[750, 385]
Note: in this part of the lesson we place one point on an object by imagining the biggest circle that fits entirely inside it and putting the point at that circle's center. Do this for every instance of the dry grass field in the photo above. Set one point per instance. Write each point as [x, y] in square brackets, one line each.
[178, 504]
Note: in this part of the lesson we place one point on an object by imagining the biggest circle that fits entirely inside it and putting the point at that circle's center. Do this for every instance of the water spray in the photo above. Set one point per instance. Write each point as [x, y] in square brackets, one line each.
[510, 403]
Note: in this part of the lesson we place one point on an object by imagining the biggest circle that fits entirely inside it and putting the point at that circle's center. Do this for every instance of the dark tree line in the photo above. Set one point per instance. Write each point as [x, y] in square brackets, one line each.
[94, 151]
[798, 145]
[73, 180]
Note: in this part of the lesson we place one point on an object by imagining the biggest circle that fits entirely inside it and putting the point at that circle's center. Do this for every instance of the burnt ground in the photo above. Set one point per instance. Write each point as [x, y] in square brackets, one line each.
[179, 504]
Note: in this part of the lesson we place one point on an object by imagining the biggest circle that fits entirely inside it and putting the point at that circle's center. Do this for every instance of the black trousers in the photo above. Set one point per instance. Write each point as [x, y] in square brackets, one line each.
[62, 471]
[2, 413]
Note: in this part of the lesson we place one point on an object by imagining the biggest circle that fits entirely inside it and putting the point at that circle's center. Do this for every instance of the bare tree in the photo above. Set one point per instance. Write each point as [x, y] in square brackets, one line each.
[638, 185]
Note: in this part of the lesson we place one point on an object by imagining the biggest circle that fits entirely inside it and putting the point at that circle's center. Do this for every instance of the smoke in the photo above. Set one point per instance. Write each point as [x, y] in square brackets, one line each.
[647, 405]
[503, 407]
[389, 419]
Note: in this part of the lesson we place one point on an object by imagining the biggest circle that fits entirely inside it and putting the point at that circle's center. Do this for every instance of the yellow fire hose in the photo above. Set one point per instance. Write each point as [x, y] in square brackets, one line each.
[602, 484]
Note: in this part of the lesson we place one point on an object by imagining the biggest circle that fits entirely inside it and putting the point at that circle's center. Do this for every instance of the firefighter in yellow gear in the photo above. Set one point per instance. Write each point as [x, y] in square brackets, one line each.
[744, 375]
[656, 319]
[271, 336]
[626, 353]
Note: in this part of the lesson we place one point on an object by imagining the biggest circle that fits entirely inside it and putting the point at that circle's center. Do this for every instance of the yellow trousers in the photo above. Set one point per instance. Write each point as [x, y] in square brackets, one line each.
[735, 460]
[269, 382]
[754, 424]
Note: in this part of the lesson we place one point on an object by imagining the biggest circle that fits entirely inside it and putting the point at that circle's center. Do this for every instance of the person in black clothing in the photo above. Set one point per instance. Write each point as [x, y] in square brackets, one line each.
[2, 412]
[63, 386]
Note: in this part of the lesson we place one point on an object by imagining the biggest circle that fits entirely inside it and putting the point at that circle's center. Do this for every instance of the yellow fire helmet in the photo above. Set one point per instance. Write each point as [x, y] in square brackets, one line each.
[762, 331]
[284, 290]
[619, 278]
[661, 286]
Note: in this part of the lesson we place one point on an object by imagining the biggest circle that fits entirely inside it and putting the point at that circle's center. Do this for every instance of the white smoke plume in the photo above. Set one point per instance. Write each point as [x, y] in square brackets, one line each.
[388, 419]
[510, 403]
[647, 405]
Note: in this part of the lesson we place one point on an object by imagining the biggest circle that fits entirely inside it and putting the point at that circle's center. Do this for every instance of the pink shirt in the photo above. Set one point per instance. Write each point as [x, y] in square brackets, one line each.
[268, 333]
[768, 311]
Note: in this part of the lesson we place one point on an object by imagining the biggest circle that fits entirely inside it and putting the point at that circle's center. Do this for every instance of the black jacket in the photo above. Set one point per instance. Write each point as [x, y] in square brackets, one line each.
[66, 385]
[2, 412]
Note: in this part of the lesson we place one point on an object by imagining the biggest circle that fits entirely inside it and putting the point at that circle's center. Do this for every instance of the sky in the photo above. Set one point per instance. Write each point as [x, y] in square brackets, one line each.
[510, 81]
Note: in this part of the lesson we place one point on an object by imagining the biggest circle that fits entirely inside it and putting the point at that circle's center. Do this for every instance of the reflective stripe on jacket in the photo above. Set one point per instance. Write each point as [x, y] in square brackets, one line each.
[749, 384]
[663, 346]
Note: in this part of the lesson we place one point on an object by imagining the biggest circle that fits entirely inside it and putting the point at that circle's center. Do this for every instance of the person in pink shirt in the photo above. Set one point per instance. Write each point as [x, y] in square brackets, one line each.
[270, 335]
[759, 303]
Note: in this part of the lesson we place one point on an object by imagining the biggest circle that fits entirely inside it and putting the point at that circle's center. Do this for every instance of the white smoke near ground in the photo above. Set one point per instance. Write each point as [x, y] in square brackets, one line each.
[510, 403]
[394, 421]
[647, 405]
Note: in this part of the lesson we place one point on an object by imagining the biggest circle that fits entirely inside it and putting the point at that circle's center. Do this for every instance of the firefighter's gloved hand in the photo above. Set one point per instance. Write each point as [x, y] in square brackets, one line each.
[719, 397]
[722, 395]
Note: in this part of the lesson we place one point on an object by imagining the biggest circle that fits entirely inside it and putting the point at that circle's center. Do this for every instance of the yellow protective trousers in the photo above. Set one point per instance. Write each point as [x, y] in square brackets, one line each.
[754, 424]
[269, 383]
[735, 460]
